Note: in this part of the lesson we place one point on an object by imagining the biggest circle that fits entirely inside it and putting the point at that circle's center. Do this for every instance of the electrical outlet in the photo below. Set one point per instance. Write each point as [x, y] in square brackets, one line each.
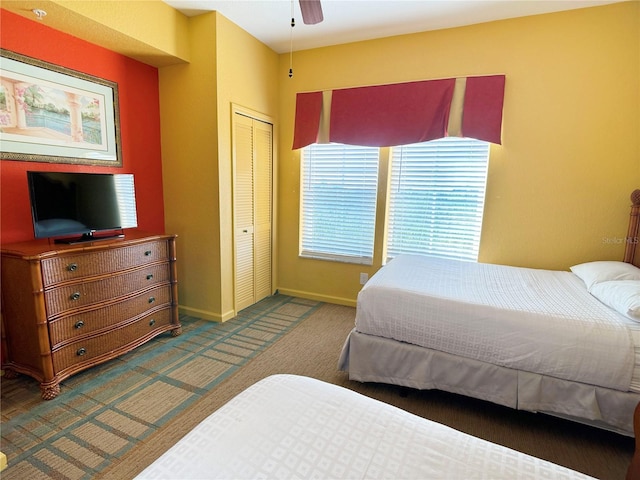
[363, 278]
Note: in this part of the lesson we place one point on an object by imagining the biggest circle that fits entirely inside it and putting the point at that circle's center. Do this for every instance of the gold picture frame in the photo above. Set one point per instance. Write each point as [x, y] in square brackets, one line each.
[50, 113]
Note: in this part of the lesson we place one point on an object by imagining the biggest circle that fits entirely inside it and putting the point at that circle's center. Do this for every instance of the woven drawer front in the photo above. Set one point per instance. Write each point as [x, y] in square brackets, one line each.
[77, 295]
[89, 348]
[69, 267]
[65, 328]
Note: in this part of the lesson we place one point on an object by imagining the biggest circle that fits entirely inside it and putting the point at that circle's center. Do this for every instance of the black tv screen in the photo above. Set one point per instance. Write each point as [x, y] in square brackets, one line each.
[80, 204]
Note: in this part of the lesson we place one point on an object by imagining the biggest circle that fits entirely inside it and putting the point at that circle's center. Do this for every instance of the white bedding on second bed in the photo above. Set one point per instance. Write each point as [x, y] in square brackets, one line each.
[287, 426]
[540, 321]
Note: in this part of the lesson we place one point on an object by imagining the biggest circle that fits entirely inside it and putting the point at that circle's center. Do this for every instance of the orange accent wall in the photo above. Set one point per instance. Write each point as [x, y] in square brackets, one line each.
[139, 123]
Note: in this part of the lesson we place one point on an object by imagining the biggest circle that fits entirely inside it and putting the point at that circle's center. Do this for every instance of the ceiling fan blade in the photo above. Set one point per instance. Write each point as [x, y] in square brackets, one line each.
[311, 11]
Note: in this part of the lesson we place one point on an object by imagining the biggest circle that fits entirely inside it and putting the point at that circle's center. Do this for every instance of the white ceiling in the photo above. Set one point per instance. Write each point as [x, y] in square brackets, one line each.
[354, 20]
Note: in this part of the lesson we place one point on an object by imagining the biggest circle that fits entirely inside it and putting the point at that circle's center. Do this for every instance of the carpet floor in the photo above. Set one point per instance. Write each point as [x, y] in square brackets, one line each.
[307, 342]
[103, 413]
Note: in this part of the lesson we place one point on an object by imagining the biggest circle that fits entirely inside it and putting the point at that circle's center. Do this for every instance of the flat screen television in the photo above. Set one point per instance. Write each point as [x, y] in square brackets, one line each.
[79, 206]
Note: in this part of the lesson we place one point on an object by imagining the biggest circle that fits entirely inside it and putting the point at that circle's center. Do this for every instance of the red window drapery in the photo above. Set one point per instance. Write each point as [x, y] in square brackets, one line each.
[482, 112]
[387, 115]
[307, 121]
[404, 113]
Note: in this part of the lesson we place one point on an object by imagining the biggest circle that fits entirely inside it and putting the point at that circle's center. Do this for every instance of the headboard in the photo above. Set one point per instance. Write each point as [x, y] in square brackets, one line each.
[631, 253]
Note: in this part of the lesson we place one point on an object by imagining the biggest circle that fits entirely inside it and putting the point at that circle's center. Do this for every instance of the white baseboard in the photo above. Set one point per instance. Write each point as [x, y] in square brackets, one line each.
[320, 298]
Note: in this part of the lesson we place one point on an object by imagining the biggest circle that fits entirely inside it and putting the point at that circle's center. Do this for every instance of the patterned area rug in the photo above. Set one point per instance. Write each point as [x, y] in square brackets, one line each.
[103, 412]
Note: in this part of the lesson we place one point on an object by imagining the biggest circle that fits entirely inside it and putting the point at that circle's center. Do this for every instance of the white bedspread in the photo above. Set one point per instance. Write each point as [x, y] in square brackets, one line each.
[539, 321]
[286, 426]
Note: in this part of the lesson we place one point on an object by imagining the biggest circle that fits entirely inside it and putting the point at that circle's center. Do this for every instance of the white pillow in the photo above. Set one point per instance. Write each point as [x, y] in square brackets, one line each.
[621, 295]
[605, 271]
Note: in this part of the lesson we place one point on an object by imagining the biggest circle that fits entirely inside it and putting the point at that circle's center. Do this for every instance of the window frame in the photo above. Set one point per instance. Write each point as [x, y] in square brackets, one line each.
[381, 213]
[351, 249]
[445, 182]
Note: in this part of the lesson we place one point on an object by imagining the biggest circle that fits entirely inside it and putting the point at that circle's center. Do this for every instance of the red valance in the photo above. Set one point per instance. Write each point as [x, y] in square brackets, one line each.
[482, 113]
[387, 115]
[403, 113]
[307, 122]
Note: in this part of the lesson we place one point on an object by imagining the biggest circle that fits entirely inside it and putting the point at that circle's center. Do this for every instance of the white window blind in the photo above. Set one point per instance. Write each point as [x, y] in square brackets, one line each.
[436, 198]
[126, 198]
[339, 187]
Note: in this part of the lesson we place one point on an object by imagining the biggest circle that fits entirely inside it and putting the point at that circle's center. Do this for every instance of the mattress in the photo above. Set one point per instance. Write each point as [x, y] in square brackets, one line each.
[539, 321]
[287, 426]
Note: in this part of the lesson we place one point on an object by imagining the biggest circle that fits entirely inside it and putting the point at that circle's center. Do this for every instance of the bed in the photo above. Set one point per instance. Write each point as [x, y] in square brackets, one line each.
[288, 426]
[565, 343]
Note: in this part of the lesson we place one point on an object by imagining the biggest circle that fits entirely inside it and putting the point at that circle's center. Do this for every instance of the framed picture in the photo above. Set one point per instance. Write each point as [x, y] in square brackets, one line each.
[53, 114]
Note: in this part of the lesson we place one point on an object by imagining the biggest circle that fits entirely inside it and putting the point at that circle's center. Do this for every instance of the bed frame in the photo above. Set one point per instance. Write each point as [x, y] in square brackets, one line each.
[631, 253]
[633, 473]
[430, 369]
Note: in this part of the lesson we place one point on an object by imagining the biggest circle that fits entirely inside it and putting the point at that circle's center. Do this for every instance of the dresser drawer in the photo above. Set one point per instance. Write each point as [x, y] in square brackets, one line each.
[87, 349]
[70, 267]
[67, 328]
[68, 297]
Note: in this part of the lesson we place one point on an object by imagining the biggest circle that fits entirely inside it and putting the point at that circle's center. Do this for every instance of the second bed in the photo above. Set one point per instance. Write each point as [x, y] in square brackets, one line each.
[536, 340]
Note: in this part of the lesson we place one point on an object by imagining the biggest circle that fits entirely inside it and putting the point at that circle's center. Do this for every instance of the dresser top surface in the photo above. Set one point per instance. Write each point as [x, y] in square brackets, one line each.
[43, 248]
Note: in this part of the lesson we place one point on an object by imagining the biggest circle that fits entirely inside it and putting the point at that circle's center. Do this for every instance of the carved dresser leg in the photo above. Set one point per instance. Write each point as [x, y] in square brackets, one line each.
[49, 390]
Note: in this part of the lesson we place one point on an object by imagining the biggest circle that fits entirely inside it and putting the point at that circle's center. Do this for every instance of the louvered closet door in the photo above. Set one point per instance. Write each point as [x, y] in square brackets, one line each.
[243, 211]
[253, 146]
[262, 167]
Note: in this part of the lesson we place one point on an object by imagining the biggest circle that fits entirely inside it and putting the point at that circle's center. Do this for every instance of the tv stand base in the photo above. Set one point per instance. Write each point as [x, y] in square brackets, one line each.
[87, 238]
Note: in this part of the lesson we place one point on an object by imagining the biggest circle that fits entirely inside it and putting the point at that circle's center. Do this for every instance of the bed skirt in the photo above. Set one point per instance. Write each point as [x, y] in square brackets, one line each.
[368, 358]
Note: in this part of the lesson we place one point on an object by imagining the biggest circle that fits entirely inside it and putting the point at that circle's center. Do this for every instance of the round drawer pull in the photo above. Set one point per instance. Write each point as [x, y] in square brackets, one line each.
[147, 253]
[150, 277]
[72, 267]
[75, 296]
[152, 299]
[79, 324]
[81, 351]
[152, 322]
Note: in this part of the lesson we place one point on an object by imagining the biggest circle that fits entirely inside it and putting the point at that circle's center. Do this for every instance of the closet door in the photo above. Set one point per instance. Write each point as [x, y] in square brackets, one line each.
[243, 211]
[263, 174]
[253, 148]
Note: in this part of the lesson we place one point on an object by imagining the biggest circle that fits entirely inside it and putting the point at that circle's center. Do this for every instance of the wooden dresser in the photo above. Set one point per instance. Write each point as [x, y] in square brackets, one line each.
[66, 308]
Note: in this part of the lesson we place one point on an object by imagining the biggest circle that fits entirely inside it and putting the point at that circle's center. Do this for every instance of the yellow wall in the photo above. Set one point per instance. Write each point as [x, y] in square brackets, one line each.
[558, 188]
[247, 78]
[228, 66]
[188, 121]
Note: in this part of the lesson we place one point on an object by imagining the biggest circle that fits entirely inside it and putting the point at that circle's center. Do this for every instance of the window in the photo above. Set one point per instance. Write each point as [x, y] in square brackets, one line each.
[339, 190]
[436, 198]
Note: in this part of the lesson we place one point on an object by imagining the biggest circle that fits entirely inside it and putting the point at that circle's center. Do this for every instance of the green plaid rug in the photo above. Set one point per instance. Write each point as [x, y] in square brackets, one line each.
[103, 412]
